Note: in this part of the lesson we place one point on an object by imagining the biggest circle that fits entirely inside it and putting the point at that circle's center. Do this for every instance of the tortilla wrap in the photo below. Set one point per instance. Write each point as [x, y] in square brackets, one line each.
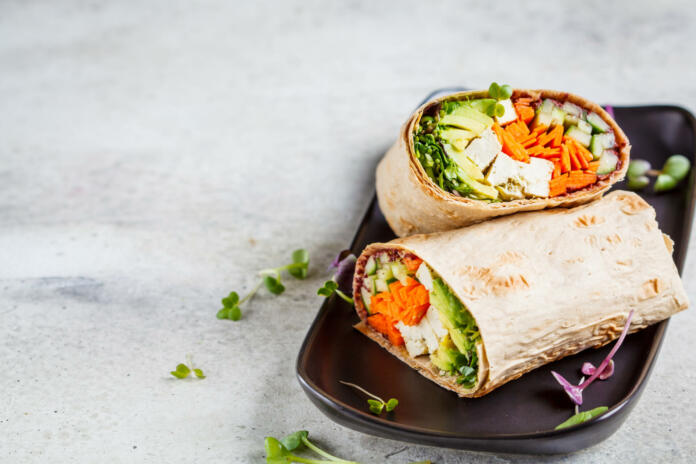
[412, 203]
[545, 285]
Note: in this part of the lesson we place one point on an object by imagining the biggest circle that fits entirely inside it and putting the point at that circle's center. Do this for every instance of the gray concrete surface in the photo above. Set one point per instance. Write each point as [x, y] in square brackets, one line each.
[153, 155]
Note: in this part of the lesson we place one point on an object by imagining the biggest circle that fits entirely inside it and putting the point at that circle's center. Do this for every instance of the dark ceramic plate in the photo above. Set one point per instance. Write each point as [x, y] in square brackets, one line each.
[518, 417]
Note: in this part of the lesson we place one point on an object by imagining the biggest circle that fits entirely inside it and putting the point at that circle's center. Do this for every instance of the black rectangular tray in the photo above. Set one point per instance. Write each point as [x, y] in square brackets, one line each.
[520, 416]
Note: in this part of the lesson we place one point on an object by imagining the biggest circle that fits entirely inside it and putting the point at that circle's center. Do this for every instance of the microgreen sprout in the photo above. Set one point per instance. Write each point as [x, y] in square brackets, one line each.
[575, 392]
[675, 169]
[271, 279]
[281, 451]
[581, 417]
[184, 370]
[375, 403]
[498, 92]
[341, 282]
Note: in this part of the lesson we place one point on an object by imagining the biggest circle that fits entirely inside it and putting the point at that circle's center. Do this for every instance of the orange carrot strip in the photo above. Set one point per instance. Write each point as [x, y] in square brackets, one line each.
[583, 151]
[593, 166]
[574, 163]
[557, 186]
[565, 159]
[556, 169]
[558, 136]
[412, 264]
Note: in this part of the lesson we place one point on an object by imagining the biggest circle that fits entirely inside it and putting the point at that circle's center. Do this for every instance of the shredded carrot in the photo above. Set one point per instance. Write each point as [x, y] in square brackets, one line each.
[526, 113]
[407, 303]
[565, 159]
[556, 169]
[412, 264]
[583, 151]
[557, 185]
[593, 166]
[579, 179]
[384, 325]
[511, 147]
[558, 136]
[574, 163]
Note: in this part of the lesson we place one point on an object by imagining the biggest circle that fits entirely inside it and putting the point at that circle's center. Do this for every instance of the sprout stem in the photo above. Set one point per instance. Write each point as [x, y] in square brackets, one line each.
[358, 387]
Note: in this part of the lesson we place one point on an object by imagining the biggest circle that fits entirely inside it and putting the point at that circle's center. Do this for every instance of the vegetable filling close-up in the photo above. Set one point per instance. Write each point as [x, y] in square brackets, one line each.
[410, 305]
[510, 147]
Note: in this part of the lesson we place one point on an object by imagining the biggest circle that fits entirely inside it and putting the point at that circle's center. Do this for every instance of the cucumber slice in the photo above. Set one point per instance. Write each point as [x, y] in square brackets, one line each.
[542, 119]
[601, 142]
[572, 109]
[384, 273]
[369, 284]
[607, 162]
[381, 285]
[366, 298]
[371, 266]
[582, 137]
[584, 126]
[546, 106]
[597, 122]
[557, 116]
[571, 120]
[399, 271]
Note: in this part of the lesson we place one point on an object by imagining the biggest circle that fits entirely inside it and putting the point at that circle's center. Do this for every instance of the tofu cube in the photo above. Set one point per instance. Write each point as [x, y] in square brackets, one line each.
[483, 149]
[510, 114]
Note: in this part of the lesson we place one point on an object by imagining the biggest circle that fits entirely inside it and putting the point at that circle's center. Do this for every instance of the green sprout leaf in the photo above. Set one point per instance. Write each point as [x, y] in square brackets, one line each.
[637, 168]
[273, 285]
[328, 289]
[499, 109]
[391, 404]
[230, 300]
[199, 373]
[300, 264]
[182, 371]
[275, 450]
[505, 92]
[664, 183]
[376, 407]
[494, 90]
[677, 167]
[581, 417]
[638, 183]
[294, 440]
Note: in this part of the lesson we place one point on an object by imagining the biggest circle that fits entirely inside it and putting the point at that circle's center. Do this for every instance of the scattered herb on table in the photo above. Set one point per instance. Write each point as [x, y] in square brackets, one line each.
[575, 391]
[184, 370]
[675, 169]
[581, 417]
[281, 451]
[271, 279]
[341, 282]
[375, 403]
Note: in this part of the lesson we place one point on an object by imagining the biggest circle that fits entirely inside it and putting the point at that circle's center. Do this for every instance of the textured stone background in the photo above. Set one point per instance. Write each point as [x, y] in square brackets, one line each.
[154, 154]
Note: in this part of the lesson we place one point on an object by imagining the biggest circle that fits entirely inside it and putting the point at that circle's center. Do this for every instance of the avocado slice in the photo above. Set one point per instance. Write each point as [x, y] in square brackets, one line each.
[472, 186]
[458, 138]
[464, 122]
[454, 316]
[469, 111]
[446, 355]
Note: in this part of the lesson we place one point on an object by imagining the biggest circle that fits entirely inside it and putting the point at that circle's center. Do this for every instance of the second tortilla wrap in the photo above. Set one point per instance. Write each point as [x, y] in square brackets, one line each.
[544, 285]
[412, 203]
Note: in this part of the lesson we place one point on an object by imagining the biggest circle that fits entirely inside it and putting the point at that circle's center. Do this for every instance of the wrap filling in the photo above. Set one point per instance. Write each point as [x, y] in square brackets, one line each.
[411, 305]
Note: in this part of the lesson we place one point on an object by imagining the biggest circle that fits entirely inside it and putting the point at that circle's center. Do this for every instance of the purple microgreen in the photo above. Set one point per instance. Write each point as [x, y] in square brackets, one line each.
[575, 392]
[589, 369]
[344, 273]
[609, 109]
[343, 254]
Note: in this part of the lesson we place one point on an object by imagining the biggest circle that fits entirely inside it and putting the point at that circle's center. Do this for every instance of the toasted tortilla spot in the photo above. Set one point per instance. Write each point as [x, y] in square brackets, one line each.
[651, 288]
[588, 221]
[632, 204]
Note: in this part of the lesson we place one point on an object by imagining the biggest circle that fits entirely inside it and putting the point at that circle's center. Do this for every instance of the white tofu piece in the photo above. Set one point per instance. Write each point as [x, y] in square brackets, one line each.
[413, 338]
[536, 176]
[504, 175]
[433, 316]
[425, 337]
[510, 113]
[483, 149]
[424, 277]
